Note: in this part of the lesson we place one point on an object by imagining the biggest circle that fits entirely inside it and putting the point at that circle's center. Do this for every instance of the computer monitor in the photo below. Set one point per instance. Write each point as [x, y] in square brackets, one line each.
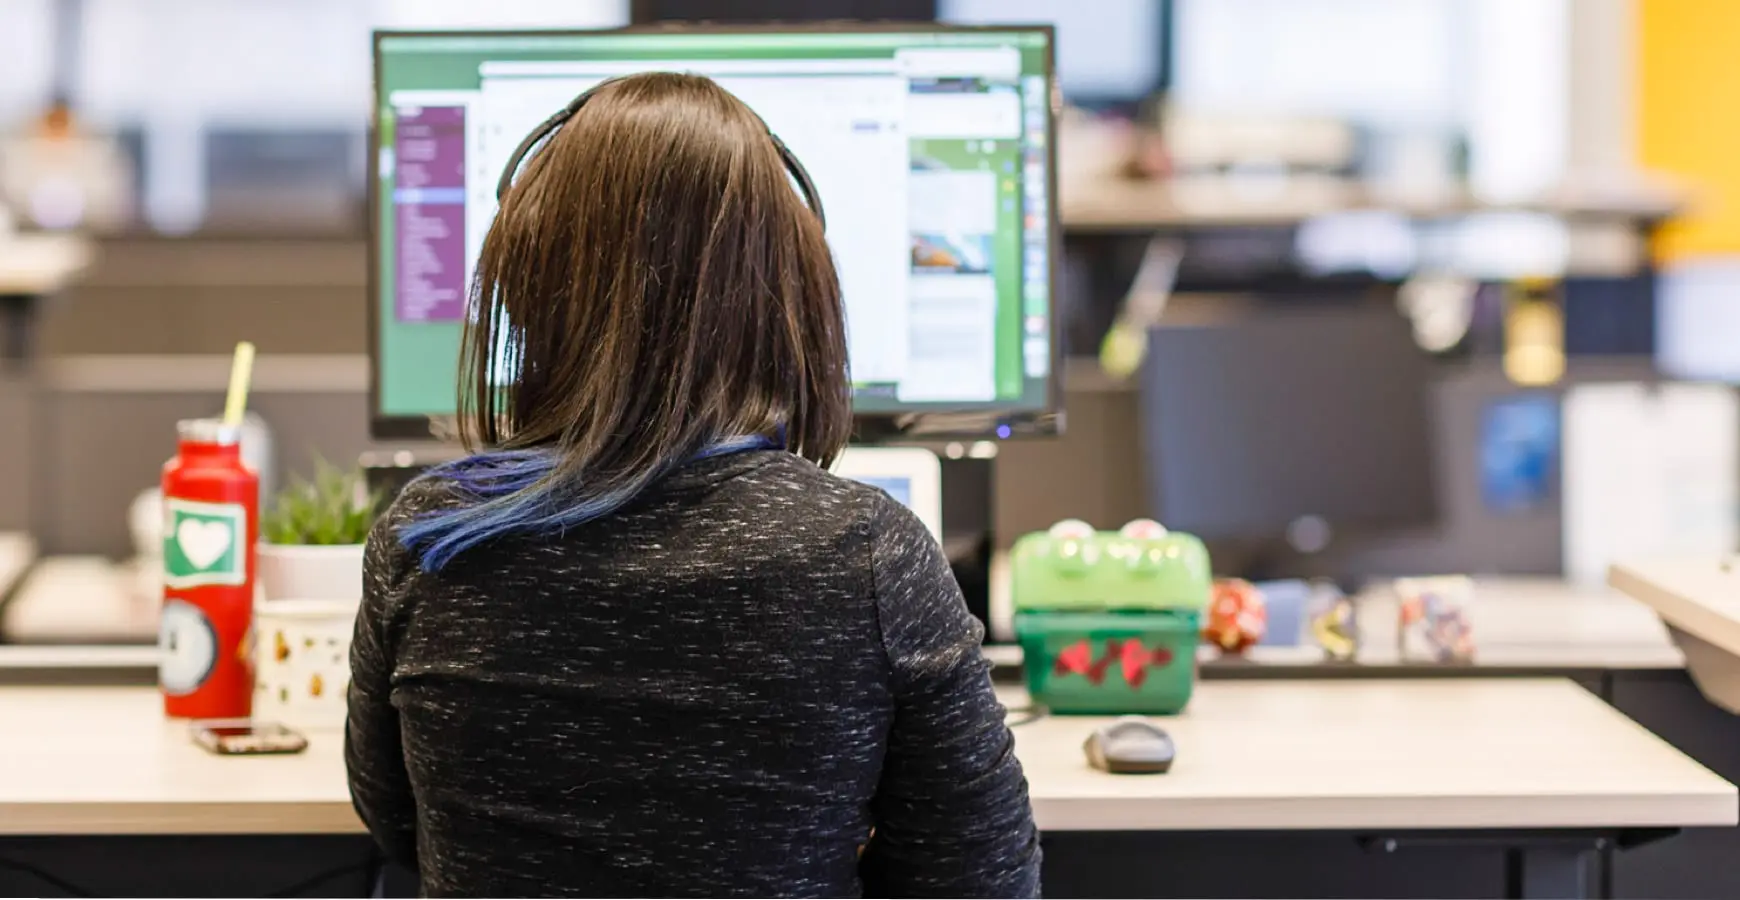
[1296, 413]
[932, 148]
[911, 475]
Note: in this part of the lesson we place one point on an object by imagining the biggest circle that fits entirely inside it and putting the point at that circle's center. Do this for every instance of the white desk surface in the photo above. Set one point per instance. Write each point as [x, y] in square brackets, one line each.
[1547, 623]
[1356, 754]
[105, 761]
[40, 263]
[1697, 596]
[1416, 754]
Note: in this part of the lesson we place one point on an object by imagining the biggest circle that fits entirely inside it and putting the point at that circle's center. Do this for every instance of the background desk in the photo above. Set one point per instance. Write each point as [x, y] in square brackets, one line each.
[1383, 759]
[17, 552]
[1699, 600]
[1527, 626]
[1522, 626]
[79, 600]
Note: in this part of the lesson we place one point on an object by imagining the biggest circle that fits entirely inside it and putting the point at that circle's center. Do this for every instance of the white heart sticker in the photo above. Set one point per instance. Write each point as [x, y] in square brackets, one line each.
[203, 541]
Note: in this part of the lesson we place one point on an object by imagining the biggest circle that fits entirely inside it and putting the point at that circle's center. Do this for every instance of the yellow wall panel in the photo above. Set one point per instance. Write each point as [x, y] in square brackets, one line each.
[1688, 108]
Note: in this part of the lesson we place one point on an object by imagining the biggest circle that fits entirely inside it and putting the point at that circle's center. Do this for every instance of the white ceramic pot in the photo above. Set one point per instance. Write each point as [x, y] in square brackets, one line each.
[309, 572]
[302, 662]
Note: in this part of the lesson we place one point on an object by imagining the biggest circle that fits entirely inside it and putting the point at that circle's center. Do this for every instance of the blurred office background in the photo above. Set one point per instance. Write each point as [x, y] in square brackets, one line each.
[1353, 288]
[1487, 205]
[248, 115]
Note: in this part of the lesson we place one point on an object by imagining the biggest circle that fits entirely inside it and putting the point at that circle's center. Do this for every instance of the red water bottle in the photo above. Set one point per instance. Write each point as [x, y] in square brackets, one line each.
[211, 521]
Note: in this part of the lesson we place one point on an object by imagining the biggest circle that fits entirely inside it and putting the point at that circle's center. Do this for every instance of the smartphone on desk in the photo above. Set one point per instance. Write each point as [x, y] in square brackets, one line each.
[246, 737]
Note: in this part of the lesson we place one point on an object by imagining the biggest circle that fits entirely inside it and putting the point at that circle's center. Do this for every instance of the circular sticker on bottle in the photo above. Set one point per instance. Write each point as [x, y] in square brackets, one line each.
[187, 648]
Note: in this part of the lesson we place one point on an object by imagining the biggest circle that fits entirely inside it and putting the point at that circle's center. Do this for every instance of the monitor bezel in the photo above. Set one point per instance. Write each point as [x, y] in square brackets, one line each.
[968, 421]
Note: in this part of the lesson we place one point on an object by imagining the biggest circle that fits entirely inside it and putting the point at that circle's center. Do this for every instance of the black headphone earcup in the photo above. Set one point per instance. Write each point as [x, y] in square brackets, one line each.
[802, 177]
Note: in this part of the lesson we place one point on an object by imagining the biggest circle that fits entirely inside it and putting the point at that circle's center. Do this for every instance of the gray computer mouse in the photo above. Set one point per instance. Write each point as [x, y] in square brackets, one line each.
[1130, 745]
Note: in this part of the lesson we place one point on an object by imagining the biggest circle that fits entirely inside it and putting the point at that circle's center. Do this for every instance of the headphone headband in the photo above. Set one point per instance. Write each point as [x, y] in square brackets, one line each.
[548, 127]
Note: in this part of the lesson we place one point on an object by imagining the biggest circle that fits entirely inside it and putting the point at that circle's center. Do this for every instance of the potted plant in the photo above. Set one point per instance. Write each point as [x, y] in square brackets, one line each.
[312, 534]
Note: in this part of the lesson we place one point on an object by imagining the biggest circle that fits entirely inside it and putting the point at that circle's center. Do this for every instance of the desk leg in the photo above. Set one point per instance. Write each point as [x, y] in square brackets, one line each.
[1546, 872]
[1537, 865]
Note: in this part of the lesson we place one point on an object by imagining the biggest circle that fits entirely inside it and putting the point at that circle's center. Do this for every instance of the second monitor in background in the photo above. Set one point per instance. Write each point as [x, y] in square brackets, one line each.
[911, 475]
[1277, 424]
[1112, 54]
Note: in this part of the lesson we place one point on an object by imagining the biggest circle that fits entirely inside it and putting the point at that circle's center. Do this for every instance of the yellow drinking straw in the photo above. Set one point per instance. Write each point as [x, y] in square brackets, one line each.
[241, 373]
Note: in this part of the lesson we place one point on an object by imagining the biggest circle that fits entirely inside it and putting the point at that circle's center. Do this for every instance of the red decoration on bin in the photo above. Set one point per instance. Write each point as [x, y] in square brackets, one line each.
[1131, 656]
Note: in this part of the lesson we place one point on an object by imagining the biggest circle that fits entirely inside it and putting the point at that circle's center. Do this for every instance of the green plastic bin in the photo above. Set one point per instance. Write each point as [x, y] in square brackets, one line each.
[1110, 663]
[1109, 621]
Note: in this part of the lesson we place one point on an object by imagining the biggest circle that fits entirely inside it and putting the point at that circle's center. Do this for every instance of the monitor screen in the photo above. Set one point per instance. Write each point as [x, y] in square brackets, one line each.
[912, 476]
[931, 148]
[898, 488]
[1108, 50]
[1303, 411]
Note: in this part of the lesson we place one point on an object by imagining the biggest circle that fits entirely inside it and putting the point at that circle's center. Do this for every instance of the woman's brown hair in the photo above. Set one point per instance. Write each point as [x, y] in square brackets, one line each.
[657, 283]
[652, 284]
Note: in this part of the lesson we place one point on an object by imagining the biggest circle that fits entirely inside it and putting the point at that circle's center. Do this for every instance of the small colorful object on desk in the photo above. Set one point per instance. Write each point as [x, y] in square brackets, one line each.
[1108, 621]
[1435, 621]
[1332, 623]
[1237, 616]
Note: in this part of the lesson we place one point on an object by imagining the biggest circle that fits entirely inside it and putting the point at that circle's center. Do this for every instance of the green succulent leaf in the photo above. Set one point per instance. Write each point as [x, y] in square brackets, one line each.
[333, 507]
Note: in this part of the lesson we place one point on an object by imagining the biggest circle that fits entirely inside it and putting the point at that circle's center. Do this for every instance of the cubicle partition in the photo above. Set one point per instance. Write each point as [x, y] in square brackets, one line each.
[18, 442]
[105, 426]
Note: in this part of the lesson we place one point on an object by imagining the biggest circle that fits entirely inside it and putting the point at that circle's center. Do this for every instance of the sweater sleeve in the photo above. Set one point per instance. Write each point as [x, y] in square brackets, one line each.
[951, 809]
[380, 787]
